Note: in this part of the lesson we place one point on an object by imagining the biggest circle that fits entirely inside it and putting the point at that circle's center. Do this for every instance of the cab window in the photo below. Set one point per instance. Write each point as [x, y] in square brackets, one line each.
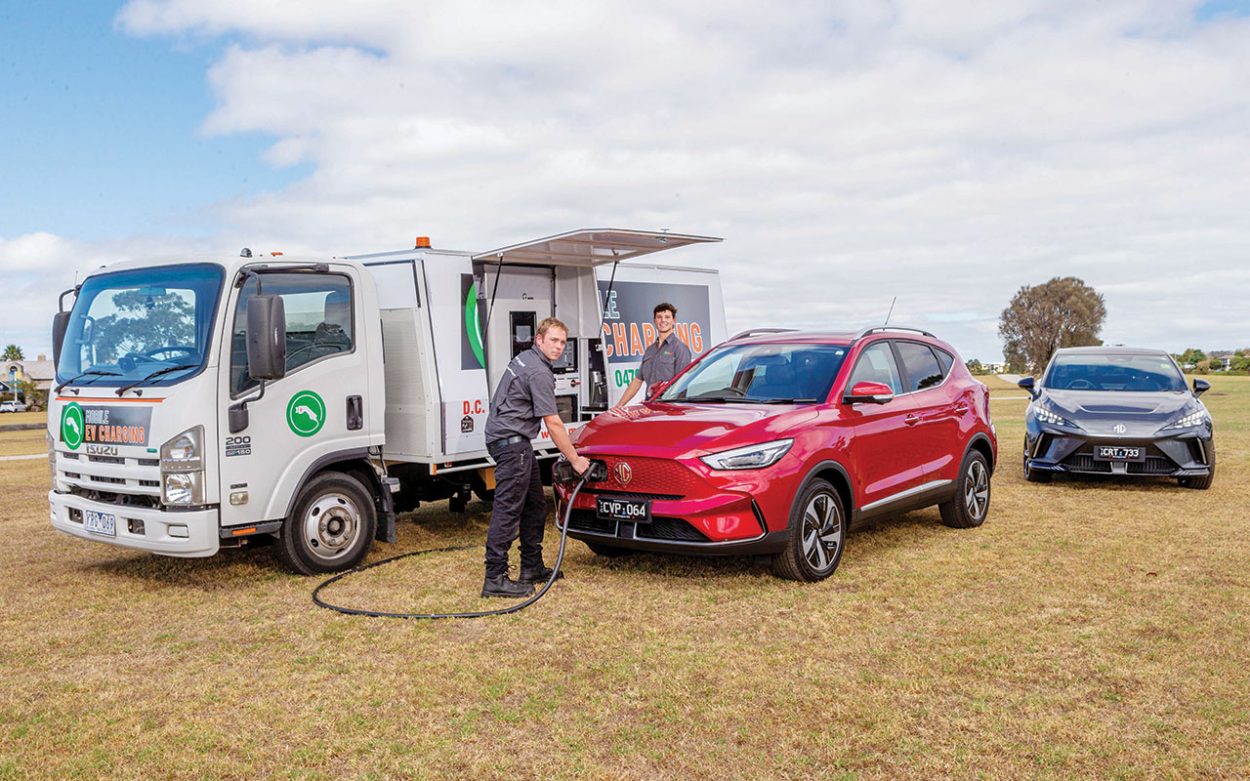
[876, 364]
[920, 365]
[319, 321]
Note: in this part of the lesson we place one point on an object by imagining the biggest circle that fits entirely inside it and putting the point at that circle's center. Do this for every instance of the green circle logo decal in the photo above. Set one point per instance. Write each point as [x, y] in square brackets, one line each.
[73, 424]
[305, 413]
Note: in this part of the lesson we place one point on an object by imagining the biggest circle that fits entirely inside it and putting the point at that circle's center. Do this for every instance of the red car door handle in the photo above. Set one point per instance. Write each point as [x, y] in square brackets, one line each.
[911, 420]
[961, 409]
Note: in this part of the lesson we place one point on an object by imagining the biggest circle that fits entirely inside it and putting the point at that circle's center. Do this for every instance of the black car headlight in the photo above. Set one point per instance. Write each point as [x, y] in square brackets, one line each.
[1044, 415]
[1192, 420]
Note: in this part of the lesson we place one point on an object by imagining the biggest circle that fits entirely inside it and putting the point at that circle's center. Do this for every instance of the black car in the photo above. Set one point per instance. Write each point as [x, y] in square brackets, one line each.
[1117, 411]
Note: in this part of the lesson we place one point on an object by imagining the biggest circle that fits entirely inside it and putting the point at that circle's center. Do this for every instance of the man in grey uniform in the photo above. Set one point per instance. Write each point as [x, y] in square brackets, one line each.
[525, 397]
[663, 358]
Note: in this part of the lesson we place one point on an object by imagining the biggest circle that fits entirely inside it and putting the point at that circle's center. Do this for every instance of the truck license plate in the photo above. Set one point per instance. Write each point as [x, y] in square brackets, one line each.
[617, 508]
[1119, 453]
[100, 523]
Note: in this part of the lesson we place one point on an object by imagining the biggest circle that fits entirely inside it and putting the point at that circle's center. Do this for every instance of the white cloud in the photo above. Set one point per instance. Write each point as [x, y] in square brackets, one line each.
[944, 152]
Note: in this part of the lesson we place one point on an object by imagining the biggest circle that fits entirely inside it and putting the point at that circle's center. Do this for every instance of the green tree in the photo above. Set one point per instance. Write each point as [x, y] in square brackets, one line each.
[976, 367]
[1064, 312]
[13, 353]
[1192, 356]
[145, 320]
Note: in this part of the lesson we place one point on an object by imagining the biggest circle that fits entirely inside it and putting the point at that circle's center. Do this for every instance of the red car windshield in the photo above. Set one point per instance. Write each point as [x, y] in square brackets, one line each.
[761, 374]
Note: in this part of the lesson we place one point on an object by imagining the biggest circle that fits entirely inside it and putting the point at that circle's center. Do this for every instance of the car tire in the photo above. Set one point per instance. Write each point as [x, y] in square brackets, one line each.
[971, 503]
[817, 535]
[608, 551]
[331, 527]
[1034, 475]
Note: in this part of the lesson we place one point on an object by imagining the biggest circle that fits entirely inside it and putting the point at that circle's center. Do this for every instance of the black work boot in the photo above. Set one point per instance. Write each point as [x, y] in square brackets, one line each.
[536, 575]
[504, 586]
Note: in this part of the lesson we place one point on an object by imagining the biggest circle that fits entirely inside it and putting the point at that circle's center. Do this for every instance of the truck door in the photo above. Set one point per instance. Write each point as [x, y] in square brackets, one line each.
[316, 410]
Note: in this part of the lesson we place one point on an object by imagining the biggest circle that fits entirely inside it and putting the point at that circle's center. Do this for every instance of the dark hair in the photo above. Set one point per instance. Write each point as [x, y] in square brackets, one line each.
[664, 307]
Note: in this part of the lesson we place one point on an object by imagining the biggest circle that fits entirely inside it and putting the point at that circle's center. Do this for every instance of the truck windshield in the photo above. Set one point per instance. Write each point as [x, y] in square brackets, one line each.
[138, 325]
[761, 374]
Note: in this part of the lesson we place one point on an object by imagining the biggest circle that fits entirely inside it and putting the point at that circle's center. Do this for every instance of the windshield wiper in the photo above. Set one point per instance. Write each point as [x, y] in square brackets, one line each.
[157, 373]
[88, 373]
[785, 401]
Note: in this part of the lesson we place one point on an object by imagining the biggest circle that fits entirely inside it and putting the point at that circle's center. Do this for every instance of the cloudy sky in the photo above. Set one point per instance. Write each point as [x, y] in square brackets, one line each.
[945, 152]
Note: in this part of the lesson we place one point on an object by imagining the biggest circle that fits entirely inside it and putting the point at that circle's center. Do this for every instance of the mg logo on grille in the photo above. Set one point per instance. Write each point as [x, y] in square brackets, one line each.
[1119, 428]
[623, 472]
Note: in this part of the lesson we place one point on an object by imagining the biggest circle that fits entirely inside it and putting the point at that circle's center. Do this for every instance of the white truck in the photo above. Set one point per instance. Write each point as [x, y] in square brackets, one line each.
[206, 404]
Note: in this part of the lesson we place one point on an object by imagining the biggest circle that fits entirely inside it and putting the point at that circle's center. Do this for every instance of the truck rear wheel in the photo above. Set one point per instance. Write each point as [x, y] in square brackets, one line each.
[331, 528]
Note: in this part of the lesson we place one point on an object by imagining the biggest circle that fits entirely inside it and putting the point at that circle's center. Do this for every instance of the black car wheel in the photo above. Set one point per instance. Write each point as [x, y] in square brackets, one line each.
[817, 535]
[971, 502]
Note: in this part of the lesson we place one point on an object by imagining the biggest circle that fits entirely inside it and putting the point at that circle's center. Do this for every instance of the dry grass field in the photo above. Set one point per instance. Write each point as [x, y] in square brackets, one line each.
[1088, 630]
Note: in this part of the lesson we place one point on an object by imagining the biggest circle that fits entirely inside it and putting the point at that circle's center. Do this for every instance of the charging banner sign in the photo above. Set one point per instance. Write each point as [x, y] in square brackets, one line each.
[629, 317]
[105, 425]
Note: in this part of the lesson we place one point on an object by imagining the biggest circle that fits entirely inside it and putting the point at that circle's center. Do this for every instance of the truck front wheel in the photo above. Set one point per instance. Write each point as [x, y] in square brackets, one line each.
[331, 528]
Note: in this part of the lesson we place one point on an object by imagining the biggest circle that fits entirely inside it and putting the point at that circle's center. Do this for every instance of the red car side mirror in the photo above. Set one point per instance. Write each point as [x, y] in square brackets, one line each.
[657, 389]
[869, 393]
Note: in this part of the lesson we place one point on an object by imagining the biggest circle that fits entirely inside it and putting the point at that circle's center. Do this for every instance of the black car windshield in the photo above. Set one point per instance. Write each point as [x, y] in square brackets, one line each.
[136, 326]
[1114, 372]
[761, 373]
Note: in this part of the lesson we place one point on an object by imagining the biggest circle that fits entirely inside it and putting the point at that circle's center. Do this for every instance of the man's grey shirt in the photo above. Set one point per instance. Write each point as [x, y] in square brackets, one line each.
[662, 360]
[526, 394]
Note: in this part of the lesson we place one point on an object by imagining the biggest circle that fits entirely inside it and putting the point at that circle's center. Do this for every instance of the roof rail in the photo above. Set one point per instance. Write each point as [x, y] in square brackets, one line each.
[876, 329]
[758, 331]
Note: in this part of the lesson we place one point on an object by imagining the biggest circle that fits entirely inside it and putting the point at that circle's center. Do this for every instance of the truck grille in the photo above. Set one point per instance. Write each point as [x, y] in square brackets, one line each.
[117, 474]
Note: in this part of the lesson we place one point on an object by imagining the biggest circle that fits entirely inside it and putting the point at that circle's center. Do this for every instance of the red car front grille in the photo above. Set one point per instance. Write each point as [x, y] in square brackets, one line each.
[648, 476]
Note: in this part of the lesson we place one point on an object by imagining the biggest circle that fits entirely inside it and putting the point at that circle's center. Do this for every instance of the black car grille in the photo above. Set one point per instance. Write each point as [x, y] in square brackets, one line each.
[586, 520]
[669, 529]
[1156, 463]
[660, 528]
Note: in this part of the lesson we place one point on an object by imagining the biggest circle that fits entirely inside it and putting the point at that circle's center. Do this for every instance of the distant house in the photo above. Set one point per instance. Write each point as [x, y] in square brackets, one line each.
[40, 371]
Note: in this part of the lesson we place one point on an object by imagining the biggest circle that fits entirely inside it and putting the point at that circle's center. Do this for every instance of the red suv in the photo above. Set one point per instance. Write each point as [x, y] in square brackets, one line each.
[772, 443]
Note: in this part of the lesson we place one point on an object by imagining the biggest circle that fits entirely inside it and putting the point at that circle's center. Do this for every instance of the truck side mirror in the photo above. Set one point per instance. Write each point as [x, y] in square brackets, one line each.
[1201, 386]
[1027, 383]
[266, 338]
[60, 324]
[869, 393]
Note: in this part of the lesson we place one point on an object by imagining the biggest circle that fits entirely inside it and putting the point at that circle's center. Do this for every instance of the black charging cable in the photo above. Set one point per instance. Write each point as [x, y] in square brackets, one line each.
[596, 472]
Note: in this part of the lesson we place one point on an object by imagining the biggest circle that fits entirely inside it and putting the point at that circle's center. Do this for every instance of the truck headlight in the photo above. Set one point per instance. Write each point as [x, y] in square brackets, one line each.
[182, 488]
[184, 452]
[182, 468]
[750, 457]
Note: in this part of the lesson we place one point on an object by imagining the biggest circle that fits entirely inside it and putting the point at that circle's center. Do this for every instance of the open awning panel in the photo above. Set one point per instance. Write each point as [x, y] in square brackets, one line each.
[590, 247]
